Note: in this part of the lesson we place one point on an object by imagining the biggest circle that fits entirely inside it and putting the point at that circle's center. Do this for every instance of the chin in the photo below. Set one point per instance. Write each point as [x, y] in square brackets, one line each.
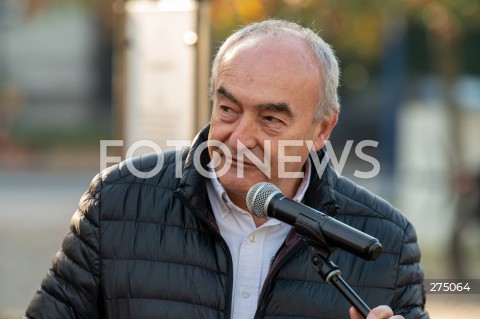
[232, 183]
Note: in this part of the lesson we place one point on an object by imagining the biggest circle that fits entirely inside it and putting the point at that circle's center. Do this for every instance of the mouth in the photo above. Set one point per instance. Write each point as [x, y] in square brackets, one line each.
[236, 162]
[220, 159]
[226, 163]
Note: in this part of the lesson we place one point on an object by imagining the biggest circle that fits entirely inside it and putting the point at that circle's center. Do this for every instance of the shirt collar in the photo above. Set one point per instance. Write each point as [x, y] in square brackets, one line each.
[219, 197]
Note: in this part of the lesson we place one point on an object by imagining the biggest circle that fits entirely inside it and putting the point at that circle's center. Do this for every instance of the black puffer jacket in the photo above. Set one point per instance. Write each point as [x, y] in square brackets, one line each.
[149, 248]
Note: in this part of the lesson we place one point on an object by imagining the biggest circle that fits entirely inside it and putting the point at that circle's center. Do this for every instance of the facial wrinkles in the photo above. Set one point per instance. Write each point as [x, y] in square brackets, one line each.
[271, 69]
[254, 81]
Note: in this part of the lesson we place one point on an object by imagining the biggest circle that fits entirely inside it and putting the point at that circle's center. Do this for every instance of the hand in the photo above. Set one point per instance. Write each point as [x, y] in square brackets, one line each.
[381, 312]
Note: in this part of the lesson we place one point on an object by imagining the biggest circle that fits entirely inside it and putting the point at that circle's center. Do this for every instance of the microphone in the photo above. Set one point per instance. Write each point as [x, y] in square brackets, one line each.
[266, 200]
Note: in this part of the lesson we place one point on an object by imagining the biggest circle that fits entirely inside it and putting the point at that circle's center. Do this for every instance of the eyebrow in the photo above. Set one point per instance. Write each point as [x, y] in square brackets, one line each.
[277, 107]
[222, 91]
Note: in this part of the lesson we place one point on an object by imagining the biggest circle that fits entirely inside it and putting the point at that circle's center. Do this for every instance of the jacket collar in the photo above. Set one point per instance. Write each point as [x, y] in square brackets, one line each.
[321, 192]
[192, 186]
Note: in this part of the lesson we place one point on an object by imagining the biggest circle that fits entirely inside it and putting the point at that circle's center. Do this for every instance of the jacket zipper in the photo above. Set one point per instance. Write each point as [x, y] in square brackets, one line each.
[272, 274]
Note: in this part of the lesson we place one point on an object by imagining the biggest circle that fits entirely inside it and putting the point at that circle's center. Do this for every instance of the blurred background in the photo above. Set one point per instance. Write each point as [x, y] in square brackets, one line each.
[75, 73]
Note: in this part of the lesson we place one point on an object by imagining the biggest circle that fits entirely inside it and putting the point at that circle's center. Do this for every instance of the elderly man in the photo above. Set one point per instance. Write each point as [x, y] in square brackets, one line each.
[165, 246]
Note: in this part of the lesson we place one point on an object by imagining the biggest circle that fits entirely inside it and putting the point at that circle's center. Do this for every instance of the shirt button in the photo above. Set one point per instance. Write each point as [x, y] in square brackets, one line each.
[251, 238]
[245, 294]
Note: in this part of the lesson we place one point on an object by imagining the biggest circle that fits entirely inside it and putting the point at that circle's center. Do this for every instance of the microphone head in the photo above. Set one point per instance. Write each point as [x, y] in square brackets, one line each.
[259, 196]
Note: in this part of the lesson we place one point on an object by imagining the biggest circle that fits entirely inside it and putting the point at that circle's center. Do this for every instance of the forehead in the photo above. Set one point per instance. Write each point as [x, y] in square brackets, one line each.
[281, 65]
[276, 52]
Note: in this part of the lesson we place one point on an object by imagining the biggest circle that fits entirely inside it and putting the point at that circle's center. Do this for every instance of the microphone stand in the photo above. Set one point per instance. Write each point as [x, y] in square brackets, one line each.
[331, 274]
[323, 265]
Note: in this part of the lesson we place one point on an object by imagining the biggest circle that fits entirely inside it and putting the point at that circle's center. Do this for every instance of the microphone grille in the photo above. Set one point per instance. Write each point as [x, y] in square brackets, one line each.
[257, 197]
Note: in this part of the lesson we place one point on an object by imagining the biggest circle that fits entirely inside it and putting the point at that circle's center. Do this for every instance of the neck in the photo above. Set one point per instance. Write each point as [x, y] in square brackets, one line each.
[239, 200]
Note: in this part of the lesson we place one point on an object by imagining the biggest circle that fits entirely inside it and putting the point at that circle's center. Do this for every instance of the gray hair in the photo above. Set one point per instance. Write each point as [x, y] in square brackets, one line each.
[328, 103]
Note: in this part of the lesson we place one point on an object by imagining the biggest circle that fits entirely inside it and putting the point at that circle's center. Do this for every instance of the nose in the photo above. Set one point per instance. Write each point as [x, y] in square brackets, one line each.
[244, 134]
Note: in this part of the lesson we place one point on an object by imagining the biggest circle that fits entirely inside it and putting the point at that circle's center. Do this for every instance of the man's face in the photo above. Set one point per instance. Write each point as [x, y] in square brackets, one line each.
[265, 97]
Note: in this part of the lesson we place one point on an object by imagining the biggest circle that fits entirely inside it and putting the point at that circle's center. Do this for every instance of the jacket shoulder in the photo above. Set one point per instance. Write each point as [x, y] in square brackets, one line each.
[372, 214]
[155, 169]
[357, 200]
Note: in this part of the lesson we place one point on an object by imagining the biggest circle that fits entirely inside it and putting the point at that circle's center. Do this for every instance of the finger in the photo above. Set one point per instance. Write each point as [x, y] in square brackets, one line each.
[354, 314]
[381, 312]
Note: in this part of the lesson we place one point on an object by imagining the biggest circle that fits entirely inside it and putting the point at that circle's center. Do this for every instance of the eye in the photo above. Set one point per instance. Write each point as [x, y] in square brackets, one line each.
[271, 119]
[226, 109]
[227, 113]
[272, 124]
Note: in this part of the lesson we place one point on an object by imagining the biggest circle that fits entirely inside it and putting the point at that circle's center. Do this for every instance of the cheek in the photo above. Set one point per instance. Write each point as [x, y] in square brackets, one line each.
[217, 130]
[292, 157]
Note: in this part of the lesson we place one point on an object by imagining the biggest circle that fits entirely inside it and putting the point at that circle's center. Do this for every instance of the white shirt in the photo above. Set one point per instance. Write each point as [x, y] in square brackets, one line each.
[252, 248]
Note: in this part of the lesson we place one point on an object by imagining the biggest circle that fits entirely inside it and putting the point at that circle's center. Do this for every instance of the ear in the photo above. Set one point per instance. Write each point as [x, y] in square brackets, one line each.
[324, 130]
